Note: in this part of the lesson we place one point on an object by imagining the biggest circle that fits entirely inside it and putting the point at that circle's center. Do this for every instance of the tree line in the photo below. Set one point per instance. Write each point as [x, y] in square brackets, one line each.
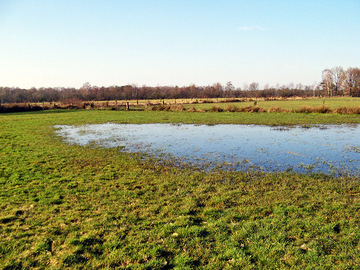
[335, 82]
[339, 82]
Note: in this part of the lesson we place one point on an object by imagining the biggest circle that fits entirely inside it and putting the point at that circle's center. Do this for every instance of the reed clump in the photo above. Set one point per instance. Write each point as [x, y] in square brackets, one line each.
[192, 109]
[252, 109]
[231, 108]
[323, 109]
[319, 109]
[177, 108]
[216, 109]
[346, 110]
[277, 110]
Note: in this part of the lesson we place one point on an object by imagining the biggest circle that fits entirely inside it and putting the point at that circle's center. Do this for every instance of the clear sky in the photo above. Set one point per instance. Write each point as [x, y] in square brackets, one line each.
[65, 43]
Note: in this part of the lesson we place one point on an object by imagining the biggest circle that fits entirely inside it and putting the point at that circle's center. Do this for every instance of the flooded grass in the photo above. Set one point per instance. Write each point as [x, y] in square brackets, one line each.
[73, 207]
[325, 149]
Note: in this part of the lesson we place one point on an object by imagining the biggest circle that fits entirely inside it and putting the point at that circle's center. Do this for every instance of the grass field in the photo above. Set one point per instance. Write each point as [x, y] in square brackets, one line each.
[287, 104]
[291, 104]
[71, 207]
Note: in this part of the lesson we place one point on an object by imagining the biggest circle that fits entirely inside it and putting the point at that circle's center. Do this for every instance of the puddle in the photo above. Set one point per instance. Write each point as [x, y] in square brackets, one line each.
[328, 149]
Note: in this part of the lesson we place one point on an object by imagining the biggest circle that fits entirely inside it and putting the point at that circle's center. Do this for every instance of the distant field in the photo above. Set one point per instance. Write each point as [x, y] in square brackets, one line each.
[341, 105]
[206, 103]
[71, 207]
[289, 104]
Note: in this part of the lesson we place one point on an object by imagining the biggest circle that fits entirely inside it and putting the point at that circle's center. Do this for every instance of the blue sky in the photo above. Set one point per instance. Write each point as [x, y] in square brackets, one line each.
[61, 43]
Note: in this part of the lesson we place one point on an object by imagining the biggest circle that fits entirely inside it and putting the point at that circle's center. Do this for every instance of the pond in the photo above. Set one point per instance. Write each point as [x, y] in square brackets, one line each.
[325, 148]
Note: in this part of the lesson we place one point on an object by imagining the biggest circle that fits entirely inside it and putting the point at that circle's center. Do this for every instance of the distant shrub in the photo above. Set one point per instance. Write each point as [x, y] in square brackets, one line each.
[355, 110]
[319, 109]
[177, 108]
[231, 108]
[258, 109]
[162, 108]
[304, 109]
[245, 109]
[216, 109]
[228, 100]
[193, 109]
[276, 109]
[252, 109]
[322, 109]
[345, 110]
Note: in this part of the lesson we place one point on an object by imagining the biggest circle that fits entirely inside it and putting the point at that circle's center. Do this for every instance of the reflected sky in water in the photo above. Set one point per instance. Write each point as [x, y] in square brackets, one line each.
[329, 149]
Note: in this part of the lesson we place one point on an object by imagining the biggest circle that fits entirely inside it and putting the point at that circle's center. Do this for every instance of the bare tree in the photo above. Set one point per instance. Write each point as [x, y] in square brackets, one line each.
[229, 86]
[254, 86]
[352, 81]
[338, 77]
[315, 86]
[327, 82]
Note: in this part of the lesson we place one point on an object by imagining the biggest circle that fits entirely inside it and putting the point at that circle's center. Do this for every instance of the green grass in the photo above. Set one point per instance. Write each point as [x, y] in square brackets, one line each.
[71, 207]
[140, 117]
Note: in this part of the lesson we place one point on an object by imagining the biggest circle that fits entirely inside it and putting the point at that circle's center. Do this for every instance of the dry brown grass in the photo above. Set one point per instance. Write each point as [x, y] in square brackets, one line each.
[231, 108]
[319, 109]
[216, 109]
[252, 109]
[346, 110]
[277, 110]
[193, 109]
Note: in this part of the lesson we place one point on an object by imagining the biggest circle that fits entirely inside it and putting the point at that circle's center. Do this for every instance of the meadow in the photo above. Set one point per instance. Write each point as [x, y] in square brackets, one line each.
[337, 105]
[71, 207]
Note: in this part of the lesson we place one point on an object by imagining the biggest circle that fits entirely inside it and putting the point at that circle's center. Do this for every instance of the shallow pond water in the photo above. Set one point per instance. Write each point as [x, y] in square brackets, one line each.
[328, 149]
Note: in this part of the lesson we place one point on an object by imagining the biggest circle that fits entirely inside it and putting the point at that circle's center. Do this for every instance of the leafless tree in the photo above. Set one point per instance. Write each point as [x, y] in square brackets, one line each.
[352, 81]
[338, 77]
[229, 86]
[254, 86]
[327, 82]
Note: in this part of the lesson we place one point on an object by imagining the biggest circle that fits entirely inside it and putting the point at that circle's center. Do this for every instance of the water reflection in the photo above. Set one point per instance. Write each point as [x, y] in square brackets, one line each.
[329, 149]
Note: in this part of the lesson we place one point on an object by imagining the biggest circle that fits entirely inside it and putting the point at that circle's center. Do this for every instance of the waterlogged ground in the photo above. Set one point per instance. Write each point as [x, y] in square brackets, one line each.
[65, 206]
[323, 148]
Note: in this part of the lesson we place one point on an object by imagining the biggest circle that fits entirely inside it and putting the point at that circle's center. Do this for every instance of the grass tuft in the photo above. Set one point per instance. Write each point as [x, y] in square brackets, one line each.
[348, 110]
[216, 109]
[319, 109]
